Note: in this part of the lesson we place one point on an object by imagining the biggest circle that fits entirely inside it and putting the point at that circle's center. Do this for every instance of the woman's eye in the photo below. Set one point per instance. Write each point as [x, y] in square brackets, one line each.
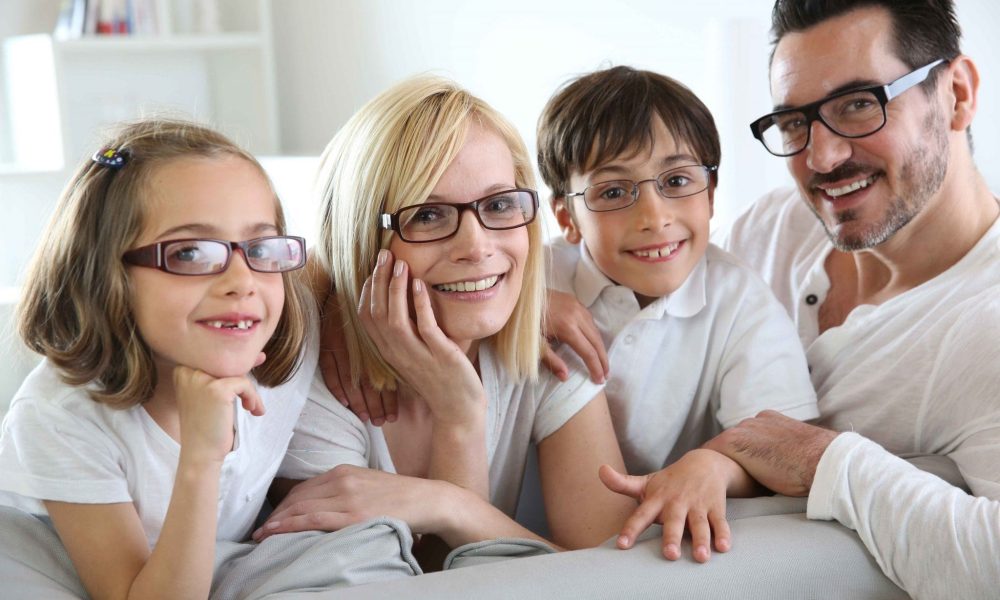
[499, 205]
[427, 215]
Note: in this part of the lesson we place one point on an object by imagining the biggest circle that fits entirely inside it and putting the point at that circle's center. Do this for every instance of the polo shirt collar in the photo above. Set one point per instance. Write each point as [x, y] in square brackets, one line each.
[589, 282]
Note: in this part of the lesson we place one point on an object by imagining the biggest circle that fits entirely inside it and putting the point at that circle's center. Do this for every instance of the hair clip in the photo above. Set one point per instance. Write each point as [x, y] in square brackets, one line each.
[109, 157]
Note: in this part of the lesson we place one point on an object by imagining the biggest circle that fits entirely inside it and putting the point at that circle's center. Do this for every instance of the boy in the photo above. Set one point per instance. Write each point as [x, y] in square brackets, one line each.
[695, 340]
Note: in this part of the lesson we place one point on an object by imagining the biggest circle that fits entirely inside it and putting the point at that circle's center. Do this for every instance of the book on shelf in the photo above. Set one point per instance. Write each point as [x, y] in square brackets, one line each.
[79, 18]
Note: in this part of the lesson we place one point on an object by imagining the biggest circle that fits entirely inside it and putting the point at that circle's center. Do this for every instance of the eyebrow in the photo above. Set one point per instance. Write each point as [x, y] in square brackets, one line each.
[493, 189]
[667, 161]
[206, 230]
[850, 85]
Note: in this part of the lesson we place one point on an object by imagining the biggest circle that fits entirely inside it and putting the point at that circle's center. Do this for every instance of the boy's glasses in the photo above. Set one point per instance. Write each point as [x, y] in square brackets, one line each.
[851, 114]
[433, 221]
[273, 254]
[678, 182]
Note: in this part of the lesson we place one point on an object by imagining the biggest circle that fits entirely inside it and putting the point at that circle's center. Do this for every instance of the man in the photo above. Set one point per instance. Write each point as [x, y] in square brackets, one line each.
[888, 258]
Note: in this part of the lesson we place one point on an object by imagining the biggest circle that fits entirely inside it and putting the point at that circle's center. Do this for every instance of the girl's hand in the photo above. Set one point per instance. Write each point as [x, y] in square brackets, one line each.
[205, 407]
[427, 360]
[568, 321]
[691, 493]
[346, 495]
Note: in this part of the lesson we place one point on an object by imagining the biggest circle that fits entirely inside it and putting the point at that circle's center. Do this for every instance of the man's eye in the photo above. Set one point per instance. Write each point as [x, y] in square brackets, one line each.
[791, 124]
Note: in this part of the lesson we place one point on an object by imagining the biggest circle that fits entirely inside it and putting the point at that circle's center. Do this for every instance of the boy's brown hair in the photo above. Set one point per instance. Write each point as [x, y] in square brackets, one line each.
[609, 113]
[75, 306]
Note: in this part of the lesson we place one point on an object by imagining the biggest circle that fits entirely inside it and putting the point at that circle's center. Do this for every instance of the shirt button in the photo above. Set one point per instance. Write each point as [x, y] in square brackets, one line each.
[629, 339]
[812, 299]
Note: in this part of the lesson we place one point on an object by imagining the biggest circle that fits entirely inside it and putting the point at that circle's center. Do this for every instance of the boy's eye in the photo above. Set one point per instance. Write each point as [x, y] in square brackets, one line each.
[678, 180]
[612, 191]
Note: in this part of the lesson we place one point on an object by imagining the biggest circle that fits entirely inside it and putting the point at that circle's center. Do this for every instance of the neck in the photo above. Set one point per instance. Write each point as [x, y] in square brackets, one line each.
[944, 231]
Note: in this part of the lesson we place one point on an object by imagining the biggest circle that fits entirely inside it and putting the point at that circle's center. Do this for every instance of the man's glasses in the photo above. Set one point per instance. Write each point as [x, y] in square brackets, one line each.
[273, 254]
[851, 114]
[623, 193]
[433, 221]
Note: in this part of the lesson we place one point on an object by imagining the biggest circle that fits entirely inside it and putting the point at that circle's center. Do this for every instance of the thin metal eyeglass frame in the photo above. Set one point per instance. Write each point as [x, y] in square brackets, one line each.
[390, 222]
[152, 255]
[709, 169]
[883, 93]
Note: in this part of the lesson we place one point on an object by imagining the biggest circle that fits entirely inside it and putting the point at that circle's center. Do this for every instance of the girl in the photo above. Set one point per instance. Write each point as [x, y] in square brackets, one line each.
[427, 208]
[163, 281]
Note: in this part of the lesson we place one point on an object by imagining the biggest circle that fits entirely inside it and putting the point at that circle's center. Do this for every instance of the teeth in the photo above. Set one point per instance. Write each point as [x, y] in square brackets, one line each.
[853, 187]
[468, 286]
[658, 252]
[246, 324]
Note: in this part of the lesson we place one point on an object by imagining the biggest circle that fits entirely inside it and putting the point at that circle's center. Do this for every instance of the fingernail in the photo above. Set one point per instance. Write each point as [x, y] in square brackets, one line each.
[672, 551]
[723, 545]
[418, 286]
[256, 534]
[623, 541]
[383, 255]
[391, 417]
[272, 525]
[363, 416]
[377, 421]
[397, 269]
[345, 402]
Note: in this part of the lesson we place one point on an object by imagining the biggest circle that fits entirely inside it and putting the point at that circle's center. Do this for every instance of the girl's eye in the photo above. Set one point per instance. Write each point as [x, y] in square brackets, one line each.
[186, 254]
[258, 251]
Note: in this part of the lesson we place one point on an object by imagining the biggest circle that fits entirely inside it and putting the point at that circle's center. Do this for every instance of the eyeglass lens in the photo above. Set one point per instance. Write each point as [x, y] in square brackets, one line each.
[202, 257]
[852, 115]
[675, 183]
[433, 221]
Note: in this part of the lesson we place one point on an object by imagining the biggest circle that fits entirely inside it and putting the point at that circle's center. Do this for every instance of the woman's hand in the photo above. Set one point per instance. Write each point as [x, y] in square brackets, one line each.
[568, 321]
[428, 361]
[346, 495]
[689, 494]
[205, 409]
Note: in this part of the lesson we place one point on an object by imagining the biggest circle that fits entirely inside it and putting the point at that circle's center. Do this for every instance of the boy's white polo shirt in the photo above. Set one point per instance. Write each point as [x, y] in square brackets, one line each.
[716, 351]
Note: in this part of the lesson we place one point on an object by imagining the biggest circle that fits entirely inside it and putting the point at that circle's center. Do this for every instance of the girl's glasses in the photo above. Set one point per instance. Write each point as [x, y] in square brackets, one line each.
[273, 254]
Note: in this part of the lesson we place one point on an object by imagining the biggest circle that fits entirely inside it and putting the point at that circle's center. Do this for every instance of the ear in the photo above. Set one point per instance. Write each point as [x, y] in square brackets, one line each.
[564, 217]
[963, 91]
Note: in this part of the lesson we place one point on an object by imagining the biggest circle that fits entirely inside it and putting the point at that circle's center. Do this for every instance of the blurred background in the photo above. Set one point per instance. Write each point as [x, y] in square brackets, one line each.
[281, 76]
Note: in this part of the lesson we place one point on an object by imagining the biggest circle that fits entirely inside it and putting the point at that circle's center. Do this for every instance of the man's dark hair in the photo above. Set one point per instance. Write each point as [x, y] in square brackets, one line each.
[924, 30]
[607, 113]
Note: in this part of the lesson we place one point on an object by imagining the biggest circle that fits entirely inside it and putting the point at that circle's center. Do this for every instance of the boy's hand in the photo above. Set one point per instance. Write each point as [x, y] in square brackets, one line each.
[691, 494]
[568, 321]
[334, 364]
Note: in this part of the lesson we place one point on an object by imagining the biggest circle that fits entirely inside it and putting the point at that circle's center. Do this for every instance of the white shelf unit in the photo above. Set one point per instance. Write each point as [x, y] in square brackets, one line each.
[61, 93]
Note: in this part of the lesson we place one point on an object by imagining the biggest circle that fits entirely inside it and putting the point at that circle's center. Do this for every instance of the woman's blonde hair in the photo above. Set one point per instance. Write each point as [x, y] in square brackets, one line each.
[75, 306]
[390, 155]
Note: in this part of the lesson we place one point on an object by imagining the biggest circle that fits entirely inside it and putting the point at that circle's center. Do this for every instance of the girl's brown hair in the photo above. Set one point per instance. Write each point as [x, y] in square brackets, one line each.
[75, 301]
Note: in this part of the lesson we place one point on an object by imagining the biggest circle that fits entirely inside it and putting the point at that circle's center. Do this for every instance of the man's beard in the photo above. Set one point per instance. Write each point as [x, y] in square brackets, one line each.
[922, 172]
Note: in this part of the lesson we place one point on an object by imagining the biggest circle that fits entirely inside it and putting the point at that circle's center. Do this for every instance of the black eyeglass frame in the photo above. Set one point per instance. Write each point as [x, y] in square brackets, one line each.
[883, 93]
[709, 170]
[390, 222]
[152, 255]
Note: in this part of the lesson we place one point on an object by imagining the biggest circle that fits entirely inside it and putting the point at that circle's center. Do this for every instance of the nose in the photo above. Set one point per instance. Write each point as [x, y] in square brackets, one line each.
[473, 242]
[238, 279]
[826, 150]
[654, 212]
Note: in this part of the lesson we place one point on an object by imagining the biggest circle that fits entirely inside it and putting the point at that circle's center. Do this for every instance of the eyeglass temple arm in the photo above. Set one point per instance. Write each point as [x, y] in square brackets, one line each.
[907, 81]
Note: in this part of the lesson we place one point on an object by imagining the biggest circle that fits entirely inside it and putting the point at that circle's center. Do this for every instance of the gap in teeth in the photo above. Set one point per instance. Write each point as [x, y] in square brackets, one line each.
[468, 286]
[657, 252]
[231, 324]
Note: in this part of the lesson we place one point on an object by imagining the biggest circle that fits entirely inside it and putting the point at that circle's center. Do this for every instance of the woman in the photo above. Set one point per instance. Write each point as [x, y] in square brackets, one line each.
[428, 226]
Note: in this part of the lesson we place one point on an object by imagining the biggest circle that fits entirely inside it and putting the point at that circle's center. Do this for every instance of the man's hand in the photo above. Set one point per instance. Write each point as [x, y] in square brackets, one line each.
[781, 453]
[568, 321]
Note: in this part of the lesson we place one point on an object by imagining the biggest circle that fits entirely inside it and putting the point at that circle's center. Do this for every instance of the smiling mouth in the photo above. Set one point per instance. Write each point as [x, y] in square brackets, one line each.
[242, 324]
[851, 187]
[469, 286]
[661, 252]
